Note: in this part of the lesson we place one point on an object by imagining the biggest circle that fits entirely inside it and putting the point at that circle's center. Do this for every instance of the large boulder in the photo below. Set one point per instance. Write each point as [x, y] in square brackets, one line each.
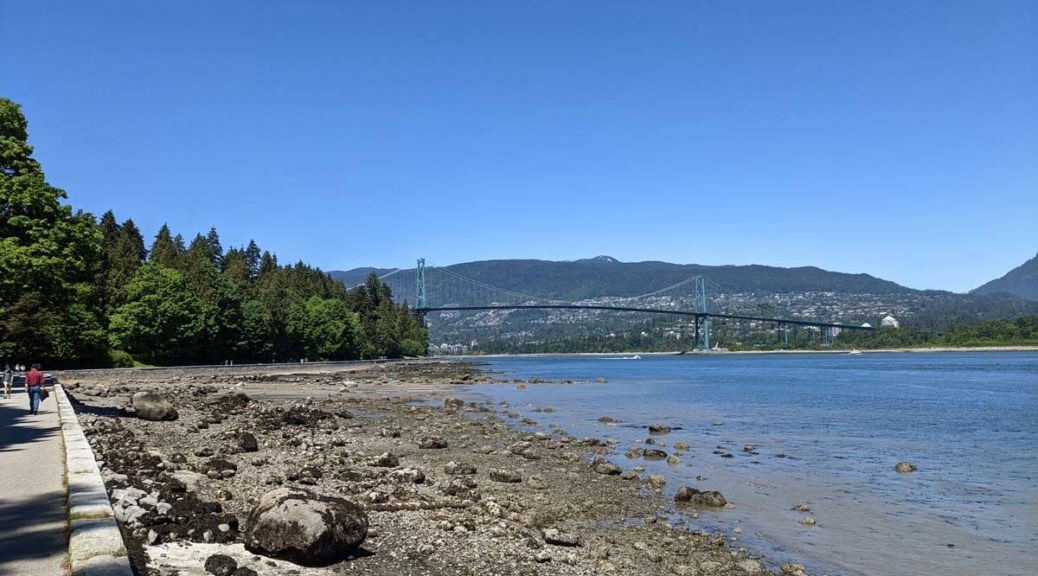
[151, 406]
[704, 498]
[305, 528]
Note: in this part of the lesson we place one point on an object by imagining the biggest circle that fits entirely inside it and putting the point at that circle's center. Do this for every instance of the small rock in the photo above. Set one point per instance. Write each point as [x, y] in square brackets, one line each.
[385, 460]
[407, 476]
[654, 454]
[247, 442]
[556, 537]
[457, 468]
[711, 498]
[656, 480]
[220, 565]
[453, 403]
[503, 475]
[432, 443]
[809, 521]
[905, 467]
[659, 429]
[603, 466]
[750, 566]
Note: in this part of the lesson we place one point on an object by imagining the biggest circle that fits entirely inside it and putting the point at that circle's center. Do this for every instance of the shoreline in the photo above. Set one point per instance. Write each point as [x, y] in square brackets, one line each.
[844, 352]
[522, 479]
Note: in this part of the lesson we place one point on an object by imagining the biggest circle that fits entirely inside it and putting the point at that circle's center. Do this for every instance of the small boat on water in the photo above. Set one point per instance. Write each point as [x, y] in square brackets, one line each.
[854, 352]
[635, 357]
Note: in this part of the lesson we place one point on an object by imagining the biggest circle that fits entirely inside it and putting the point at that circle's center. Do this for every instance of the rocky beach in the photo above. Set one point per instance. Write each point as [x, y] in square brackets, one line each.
[381, 469]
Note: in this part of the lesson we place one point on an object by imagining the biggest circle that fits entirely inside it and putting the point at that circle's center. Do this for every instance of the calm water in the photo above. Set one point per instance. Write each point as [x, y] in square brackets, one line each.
[969, 421]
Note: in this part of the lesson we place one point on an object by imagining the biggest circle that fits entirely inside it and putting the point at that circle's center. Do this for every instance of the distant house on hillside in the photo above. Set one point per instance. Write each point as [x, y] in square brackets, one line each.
[889, 322]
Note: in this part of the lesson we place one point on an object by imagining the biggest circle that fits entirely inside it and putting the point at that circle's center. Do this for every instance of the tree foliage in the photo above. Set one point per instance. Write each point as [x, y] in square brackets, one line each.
[50, 258]
[80, 292]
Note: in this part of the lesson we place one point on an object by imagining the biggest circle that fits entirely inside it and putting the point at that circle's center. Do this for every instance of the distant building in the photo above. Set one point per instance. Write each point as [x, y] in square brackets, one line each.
[866, 325]
[889, 322]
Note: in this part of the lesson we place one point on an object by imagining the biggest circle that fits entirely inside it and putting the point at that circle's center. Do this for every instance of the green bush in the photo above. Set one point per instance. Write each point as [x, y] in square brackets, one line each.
[120, 359]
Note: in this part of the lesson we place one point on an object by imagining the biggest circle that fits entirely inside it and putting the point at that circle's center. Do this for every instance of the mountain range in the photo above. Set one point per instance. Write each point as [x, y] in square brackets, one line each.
[606, 276]
[803, 292]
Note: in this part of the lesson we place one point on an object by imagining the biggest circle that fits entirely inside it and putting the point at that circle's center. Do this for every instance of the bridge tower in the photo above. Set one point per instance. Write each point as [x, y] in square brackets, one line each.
[421, 301]
[700, 307]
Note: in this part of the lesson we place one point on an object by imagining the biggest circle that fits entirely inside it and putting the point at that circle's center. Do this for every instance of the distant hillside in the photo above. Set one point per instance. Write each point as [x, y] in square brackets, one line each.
[795, 293]
[1021, 281]
[605, 276]
[356, 276]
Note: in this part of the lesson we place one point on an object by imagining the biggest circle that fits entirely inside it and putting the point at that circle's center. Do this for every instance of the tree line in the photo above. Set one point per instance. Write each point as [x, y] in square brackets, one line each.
[1022, 331]
[75, 291]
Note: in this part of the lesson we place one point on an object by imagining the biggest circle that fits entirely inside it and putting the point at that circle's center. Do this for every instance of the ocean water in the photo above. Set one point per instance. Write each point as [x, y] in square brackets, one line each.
[829, 429]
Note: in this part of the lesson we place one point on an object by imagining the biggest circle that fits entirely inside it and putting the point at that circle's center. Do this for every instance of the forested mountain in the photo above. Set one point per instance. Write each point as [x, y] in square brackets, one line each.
[1021, 281]
[805, 293]
[75, 292]
[605, 276]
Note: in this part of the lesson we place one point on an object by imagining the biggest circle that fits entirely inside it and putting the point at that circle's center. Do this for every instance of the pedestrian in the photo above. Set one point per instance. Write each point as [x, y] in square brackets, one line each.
[34, 387]
[8, 376]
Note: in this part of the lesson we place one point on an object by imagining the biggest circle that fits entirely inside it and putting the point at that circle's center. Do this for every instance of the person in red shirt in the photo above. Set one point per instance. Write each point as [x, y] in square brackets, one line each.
[34, 386]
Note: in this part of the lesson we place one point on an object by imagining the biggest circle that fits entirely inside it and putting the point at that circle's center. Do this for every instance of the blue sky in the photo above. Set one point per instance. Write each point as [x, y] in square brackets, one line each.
[894, 138]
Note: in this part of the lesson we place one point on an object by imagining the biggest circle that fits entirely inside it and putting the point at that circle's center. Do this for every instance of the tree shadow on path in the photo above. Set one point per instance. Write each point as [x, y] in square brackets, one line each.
[32, 528]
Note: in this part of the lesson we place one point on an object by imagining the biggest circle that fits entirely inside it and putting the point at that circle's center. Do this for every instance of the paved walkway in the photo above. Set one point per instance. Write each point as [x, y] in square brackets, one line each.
[33, 501]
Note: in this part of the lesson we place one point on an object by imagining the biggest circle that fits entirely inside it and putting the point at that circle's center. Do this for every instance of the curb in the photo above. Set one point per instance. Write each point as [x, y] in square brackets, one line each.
[95, 545]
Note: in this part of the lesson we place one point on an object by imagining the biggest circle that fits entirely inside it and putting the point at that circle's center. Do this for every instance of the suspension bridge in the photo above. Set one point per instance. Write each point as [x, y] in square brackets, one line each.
[433, 289]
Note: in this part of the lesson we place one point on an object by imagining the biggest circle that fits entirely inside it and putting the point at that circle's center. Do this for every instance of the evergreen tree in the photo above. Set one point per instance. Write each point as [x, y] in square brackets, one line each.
[165, 250]
[237, 270]
[252, 259]
[268, 263]
[133, 242]
[215, 248]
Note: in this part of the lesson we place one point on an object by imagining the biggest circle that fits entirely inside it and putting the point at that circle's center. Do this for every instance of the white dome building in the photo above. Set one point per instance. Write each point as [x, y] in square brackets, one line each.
[889, 322]
[866, 325]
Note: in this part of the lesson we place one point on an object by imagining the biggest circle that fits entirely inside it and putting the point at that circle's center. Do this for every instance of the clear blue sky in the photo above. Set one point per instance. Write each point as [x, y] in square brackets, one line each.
[895, 138]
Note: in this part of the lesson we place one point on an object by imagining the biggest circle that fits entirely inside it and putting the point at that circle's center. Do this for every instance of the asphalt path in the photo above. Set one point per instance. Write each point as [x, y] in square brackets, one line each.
[33, 500]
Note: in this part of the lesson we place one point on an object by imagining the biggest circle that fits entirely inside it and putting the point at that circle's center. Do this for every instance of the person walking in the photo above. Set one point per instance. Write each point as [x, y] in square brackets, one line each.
[34, 386]
[8, 376]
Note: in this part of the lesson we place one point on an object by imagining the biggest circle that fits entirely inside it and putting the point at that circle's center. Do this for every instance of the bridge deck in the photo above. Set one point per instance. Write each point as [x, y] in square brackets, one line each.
[647, 311]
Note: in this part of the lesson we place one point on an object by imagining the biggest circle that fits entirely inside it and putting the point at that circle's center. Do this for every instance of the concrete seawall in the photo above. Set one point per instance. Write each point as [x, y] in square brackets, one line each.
[96, 546]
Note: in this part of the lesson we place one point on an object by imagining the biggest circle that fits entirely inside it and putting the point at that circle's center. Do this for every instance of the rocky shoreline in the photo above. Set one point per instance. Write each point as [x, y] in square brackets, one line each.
[441, 485]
